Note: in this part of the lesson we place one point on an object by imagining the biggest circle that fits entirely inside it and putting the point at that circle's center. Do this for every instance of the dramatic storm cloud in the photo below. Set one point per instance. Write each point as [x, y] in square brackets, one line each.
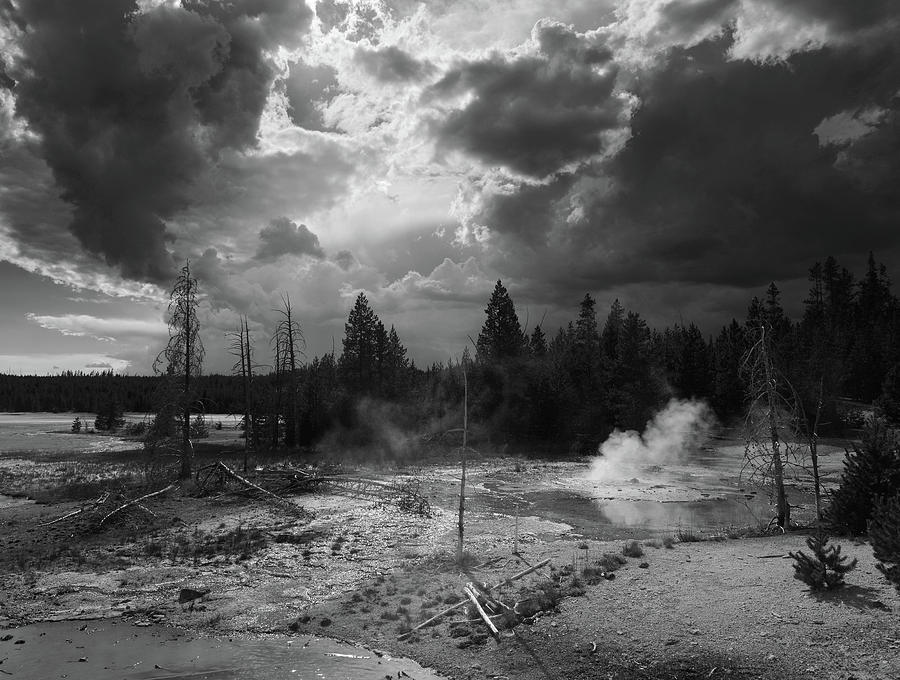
[723, 178]
[676, 154]
[130, 107]
[536, 113]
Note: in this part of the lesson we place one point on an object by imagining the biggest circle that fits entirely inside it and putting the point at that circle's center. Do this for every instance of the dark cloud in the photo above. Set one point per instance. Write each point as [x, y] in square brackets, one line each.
[131, 107]
[306, 87]
[284, 237]
[6, 82]
[527, 213]
[723, 180]
[534, 114]
[392, 65]
[344, 259]
[740, 186]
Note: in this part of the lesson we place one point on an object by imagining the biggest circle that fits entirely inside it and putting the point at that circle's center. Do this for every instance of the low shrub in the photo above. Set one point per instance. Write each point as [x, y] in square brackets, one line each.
[632, 549]
[825, 568]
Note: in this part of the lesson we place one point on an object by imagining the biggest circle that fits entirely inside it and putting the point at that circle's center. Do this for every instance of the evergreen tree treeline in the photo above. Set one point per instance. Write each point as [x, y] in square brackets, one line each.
[605, 369]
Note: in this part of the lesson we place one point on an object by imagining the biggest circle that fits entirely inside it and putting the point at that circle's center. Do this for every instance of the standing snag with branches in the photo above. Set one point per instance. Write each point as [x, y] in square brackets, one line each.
[241, 348]
[182, 358]
[770, 413]
[465, 445]
[289, 343]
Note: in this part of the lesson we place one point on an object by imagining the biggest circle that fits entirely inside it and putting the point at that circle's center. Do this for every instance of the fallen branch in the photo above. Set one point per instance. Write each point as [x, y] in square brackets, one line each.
[268, 495]
[524, 572]
[100, 501]
[137, 501]
[440, 614]
[514, 577]
[470, 593]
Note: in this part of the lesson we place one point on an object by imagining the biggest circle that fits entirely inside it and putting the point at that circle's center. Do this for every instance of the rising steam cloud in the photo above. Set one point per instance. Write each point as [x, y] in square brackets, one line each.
[666, 440]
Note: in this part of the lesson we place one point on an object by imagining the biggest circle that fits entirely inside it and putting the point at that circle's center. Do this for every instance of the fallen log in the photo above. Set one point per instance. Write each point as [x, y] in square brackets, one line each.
[98, 502]
[268, 495]
[137, 501]
[470, 593]
[514, 577]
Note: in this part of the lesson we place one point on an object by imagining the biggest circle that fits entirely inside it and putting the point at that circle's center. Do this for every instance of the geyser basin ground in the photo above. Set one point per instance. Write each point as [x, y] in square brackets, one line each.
[742, 603]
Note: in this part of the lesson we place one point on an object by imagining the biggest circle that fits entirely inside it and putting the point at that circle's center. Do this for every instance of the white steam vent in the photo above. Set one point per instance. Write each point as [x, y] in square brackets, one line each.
[667, 439]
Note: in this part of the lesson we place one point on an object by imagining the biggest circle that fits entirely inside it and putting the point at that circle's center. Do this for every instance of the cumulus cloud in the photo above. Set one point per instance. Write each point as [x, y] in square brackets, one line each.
[536, 113]
[284, 237]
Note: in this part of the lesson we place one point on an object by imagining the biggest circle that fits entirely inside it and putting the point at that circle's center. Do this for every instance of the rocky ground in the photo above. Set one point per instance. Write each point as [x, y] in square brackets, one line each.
[365, 570]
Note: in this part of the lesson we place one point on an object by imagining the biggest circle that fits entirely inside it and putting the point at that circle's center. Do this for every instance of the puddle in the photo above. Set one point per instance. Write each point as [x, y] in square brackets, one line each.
[118, 650]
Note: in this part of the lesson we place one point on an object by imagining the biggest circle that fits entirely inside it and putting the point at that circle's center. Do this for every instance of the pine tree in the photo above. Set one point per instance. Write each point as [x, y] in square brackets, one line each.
[825, 568]
[612, 329]
[357, 363]
[538, 342]
[396, 366]
[110, 416]
[501, 335]
[76, 425]
[871, 471]
[884, 532]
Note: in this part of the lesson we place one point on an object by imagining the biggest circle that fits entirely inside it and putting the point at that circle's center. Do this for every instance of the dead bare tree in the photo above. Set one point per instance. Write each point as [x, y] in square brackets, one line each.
[464, 451]
[242, 348]
[289, 343]
[771, 416]
[810, 431]
[183, 355]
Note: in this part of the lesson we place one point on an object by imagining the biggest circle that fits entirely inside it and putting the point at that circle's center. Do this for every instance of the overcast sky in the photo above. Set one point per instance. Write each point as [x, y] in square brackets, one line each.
[676, 154]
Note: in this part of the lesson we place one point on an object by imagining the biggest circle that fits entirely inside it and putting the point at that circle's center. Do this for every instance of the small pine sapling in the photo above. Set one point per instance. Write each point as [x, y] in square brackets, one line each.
[884, 532]
[825, 568]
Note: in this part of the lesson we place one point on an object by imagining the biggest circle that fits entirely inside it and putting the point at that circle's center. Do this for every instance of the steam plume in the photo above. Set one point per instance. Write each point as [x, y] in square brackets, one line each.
[665, 441]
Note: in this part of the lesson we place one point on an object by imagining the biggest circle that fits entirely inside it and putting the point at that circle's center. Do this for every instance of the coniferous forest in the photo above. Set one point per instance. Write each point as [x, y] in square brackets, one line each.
[560, 389]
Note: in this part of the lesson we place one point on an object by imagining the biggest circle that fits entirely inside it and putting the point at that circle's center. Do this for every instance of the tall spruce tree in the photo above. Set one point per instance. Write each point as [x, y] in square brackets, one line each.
[501, 335]
[871, 472]
[358, 362]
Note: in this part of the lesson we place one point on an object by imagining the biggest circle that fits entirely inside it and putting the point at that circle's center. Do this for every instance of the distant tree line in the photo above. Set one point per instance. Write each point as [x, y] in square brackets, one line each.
[75, 391]
[568, 388]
